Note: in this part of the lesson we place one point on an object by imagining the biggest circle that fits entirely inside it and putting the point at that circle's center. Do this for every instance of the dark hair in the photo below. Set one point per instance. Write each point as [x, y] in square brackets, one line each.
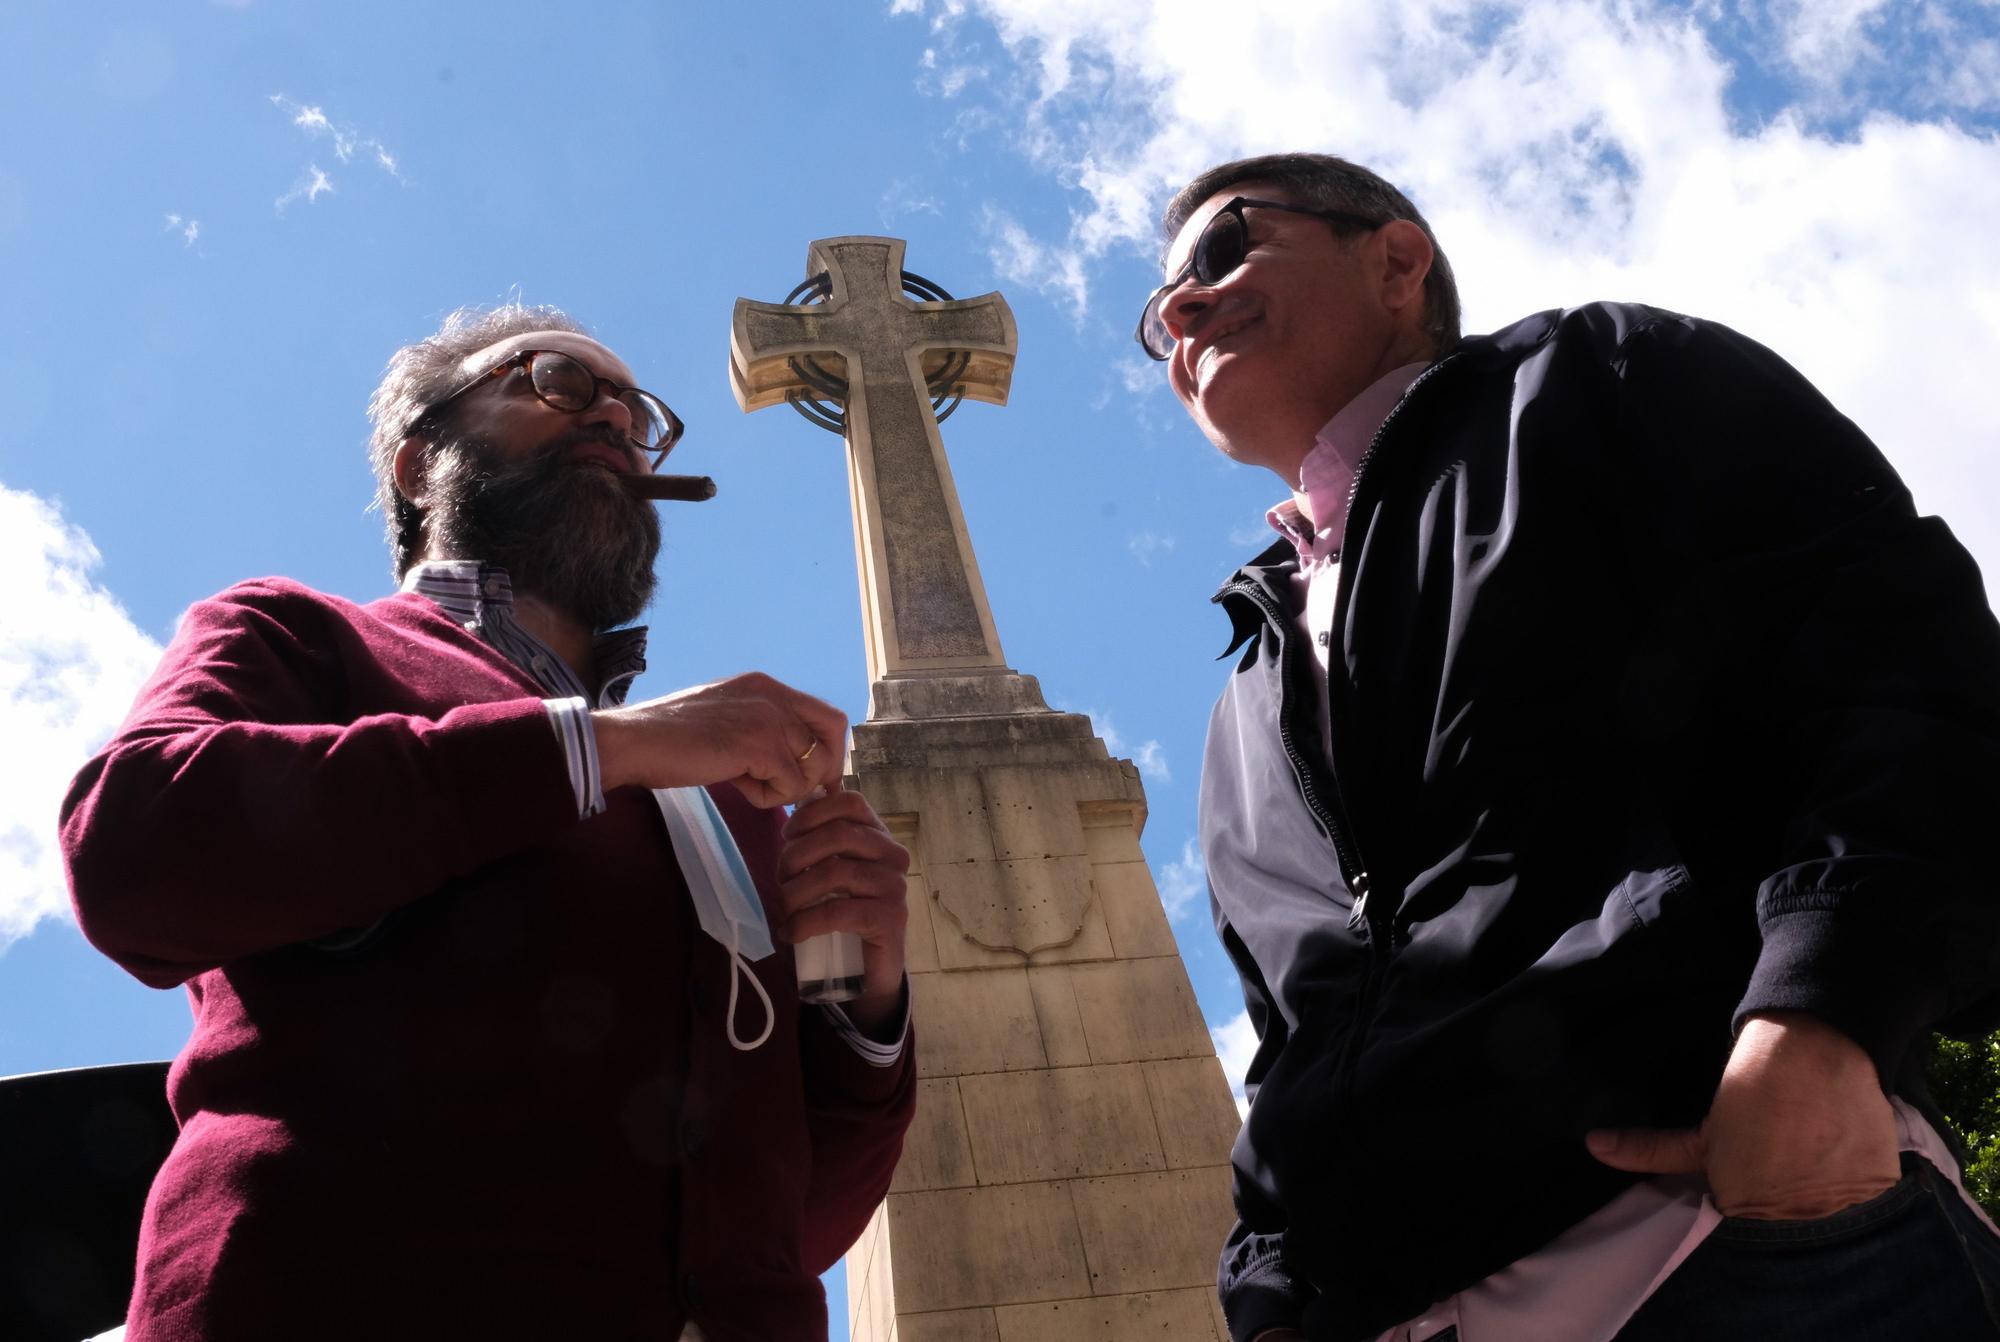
[420, 374]
[1330, 183]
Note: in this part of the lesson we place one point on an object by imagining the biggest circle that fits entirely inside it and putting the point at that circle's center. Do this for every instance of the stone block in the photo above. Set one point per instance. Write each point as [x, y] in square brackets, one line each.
[1057, 1017]
[860, 1262]
[937, 1153]
[1151, 1232]
[920, 936]
[975, 1020]
[1111, 833]
[955, 1325]
[1196, 1113]
[1151, 1316]
[964, 1247]
[1130, 905]
[1138, 1010]
[1032, 812]
[1065, 1122]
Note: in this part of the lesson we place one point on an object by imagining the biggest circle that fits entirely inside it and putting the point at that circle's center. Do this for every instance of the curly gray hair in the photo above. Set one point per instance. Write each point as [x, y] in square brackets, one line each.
[417, 376]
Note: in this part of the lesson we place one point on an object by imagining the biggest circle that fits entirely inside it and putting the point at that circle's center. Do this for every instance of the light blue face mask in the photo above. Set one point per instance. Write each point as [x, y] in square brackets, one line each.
[725, 898]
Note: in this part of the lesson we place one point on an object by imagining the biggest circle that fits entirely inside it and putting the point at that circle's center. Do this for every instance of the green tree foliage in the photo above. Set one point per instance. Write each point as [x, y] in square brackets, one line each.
[1965, 1080]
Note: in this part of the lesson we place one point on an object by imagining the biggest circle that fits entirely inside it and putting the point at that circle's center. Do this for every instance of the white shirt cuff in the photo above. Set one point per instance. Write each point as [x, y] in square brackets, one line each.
[873, 1052]
[571, 720]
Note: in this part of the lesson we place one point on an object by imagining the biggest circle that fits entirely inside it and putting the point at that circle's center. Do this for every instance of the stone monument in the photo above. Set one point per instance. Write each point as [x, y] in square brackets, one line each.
[1067, 1175]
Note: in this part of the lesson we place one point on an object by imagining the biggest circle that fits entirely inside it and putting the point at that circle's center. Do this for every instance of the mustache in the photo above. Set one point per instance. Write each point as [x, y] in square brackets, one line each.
[554, 459]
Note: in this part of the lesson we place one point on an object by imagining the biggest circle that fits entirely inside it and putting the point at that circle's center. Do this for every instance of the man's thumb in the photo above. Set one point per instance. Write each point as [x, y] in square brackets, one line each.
[1648, 1150]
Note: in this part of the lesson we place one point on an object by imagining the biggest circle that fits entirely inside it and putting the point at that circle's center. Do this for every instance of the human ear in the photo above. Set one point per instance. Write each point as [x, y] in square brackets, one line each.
[407, 468]
[1407, 257]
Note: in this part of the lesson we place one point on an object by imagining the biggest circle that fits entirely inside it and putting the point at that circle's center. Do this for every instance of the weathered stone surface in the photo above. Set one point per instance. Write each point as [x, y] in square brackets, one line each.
[1061, 1123]
[975, 1021]
[1057, 1016]
[937, 1153]
[1194, 1109]
[920, 943]
[1135, 1010]
[1130, 904]
[1153, 1316]
[1152, 1232]
[956, 1325]
[959, 1248]
[1028, 906]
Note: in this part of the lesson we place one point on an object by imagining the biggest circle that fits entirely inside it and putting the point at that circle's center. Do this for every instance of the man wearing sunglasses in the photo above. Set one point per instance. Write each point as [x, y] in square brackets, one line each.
[1592, 814]
[464, 1063]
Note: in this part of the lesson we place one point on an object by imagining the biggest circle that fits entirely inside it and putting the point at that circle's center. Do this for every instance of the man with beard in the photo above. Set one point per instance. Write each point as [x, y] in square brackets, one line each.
[464, 1062]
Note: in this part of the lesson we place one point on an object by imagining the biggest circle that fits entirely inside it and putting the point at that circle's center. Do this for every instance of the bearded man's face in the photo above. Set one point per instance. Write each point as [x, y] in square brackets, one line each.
[560, 523]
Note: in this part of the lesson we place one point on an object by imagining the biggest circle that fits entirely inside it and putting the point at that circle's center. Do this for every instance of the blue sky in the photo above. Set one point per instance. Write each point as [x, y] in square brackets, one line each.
[218, 219]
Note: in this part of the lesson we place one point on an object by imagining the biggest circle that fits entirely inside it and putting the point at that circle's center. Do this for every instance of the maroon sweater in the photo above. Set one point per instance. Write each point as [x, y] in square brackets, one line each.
[508, 1111]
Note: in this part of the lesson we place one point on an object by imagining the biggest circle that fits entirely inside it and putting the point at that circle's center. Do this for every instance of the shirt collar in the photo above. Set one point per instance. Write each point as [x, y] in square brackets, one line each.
[1327, 473]
[480, 597]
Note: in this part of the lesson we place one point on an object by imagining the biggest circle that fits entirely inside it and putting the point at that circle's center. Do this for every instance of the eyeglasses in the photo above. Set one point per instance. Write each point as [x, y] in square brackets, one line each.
[563, 383]
[1218, 249]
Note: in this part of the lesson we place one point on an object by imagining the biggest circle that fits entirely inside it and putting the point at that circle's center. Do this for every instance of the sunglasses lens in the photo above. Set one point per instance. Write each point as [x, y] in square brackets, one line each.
[1154, 334]
[1220, 248]
[562, 381]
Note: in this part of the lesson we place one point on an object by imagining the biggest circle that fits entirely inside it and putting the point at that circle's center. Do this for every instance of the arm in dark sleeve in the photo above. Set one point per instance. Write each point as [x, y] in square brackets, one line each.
[856, 1114]
[1254, 1282]
[241, 807]
[1869, 649]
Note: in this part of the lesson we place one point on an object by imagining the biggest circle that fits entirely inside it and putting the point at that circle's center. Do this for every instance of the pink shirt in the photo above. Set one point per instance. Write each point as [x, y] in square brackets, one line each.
[1587, 1282]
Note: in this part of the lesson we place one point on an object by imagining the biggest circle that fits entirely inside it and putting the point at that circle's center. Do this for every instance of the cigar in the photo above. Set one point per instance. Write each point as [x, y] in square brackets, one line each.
[685, 488]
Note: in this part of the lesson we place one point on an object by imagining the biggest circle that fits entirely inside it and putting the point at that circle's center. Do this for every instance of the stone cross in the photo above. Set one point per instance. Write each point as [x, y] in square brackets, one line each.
[923, 604]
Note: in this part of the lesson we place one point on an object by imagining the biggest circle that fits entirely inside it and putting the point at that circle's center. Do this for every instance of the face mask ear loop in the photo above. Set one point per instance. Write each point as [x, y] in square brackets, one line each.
[738, 968]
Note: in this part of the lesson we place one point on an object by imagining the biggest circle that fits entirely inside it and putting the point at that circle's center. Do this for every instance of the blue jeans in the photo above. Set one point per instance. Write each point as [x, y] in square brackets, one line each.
[1912, 1264]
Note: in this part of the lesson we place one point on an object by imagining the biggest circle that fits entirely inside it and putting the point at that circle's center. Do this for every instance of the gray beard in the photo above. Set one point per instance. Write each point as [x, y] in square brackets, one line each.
[566, 532]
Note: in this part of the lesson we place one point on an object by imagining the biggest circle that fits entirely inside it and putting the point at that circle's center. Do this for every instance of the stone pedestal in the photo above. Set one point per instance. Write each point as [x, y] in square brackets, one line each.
[1067, 1176]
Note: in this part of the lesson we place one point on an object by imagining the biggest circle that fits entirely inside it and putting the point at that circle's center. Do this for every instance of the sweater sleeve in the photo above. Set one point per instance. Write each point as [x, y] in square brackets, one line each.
[856, 1112]
[1857, 635]
[243, 807]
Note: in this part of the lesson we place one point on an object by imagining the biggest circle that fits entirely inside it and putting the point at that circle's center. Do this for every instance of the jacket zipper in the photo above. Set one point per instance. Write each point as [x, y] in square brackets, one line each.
[1340, 832]
[1354, 873]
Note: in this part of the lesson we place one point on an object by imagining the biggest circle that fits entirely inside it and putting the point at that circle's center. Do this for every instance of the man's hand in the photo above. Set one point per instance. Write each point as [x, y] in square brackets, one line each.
[838, 846]
[749, 731]
[1799, 1127]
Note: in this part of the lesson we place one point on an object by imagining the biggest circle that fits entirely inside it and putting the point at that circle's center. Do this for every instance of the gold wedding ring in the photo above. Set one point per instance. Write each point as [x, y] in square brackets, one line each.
[809, 750]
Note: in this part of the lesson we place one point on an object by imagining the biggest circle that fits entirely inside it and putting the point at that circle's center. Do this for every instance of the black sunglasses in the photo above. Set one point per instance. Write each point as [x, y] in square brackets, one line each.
[1220, 247]
[564, 383]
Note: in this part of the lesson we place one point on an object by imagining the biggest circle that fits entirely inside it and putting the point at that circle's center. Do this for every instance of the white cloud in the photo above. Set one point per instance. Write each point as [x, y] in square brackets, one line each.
[347, 141]
[308, 188]
[1146, 544]
[1183, 883]
[189, 229]
[70, 662]
[1235, 1045]
[1569, 150]
[1020, 258]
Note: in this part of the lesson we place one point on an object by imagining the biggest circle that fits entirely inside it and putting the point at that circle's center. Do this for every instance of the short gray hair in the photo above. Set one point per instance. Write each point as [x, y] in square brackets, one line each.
[420, 374]
[1329, 183]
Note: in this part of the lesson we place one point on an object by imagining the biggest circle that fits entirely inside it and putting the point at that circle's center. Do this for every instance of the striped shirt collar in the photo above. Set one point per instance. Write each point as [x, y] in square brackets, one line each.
[481, 597]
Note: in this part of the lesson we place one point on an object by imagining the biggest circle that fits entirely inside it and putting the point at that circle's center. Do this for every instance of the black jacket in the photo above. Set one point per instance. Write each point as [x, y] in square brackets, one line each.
[1654, 703]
